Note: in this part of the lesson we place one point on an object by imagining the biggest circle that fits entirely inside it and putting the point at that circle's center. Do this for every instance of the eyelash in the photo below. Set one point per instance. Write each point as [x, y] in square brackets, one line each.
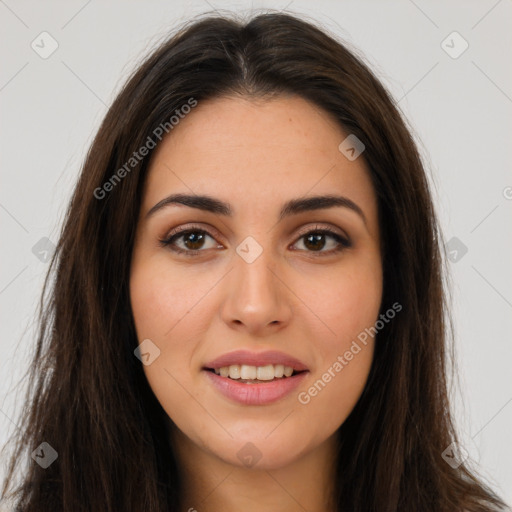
[170, 240]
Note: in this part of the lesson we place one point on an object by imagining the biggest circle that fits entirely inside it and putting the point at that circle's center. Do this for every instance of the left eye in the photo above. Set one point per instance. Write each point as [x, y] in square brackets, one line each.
[316, 240]
[193, 240]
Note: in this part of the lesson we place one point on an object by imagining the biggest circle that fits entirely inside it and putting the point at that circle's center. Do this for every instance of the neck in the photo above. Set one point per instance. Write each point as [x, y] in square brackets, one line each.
[210, 484]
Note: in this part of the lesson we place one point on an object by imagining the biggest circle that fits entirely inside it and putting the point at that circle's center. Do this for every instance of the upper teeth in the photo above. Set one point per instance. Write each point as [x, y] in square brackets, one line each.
[244, 371]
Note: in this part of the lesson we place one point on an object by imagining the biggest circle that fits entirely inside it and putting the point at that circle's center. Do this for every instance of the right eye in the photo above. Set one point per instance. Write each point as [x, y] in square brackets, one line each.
[192, 240]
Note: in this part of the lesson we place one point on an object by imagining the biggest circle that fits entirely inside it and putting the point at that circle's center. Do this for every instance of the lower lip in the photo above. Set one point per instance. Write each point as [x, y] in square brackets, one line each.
[256, 394]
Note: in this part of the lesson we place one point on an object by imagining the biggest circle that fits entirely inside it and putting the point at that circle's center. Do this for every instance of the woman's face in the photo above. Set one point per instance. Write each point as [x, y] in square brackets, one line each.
[252, 287]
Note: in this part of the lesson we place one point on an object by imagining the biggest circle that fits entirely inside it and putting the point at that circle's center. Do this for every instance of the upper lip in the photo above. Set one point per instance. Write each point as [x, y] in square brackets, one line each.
[256, 359]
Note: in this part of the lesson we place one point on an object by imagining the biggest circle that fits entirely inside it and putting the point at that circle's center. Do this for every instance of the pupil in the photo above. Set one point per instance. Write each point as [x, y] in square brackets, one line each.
[189, 239]
[315, 239]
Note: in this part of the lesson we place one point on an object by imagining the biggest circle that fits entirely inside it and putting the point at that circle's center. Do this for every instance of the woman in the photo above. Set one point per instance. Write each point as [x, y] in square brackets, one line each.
[248, 308]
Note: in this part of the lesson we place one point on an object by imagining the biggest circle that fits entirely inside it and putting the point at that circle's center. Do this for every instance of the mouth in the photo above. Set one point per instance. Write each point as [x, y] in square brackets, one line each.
[249, 374]
[255, 378]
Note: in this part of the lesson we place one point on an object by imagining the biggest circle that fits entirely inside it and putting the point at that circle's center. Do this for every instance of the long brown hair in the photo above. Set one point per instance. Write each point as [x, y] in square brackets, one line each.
[88, 397]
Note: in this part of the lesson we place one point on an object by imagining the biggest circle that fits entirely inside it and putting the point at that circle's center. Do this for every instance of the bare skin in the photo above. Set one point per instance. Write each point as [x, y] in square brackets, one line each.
[299, 296]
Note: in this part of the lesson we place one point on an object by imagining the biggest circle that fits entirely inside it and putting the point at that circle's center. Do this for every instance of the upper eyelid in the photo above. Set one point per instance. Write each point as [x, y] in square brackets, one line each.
[183, 230]
[319, 227]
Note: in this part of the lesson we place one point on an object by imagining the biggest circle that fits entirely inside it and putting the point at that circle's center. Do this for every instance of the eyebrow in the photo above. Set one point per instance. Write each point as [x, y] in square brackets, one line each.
[292, 207]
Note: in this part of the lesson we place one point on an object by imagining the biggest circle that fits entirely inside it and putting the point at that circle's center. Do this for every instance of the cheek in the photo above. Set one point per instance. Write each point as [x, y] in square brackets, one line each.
[162, 297]
[345, 351]
[162, 300]
[168, 308]
[347, 300]
[344, 359]
[333, 393]
[355, 304]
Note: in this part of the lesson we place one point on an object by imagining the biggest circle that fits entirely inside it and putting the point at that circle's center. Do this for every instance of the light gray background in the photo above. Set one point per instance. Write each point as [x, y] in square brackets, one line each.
[460, 110]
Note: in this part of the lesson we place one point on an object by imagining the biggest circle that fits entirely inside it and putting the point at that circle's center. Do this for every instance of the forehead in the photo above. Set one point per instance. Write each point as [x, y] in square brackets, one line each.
[239, 127]
[256, 153]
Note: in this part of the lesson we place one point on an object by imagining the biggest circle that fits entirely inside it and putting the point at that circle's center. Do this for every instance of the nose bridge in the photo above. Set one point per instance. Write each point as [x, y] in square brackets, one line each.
[252, 271]
[256, 297]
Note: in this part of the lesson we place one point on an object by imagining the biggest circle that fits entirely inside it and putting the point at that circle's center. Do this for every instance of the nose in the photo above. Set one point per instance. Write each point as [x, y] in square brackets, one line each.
[257, 298]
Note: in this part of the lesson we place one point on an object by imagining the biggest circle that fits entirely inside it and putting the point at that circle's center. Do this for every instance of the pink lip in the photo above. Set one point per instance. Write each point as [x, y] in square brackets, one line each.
[258, 393]
[255, 394]
[256, 359]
